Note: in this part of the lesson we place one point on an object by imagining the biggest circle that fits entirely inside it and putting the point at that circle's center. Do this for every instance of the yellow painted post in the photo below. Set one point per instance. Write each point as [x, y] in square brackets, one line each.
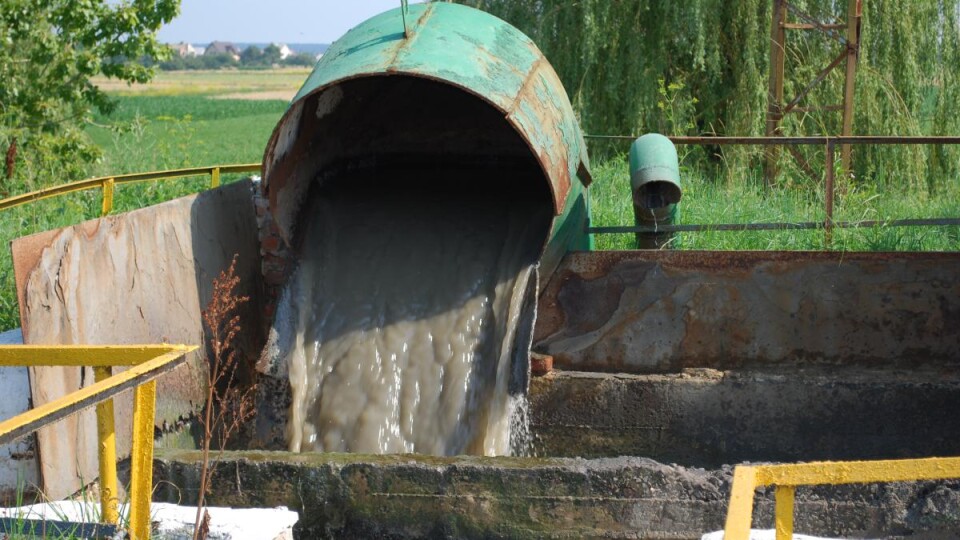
[107, 197]
[740, 511]
[784, 496]
[141, 460]
[107, 454]
[214, 177]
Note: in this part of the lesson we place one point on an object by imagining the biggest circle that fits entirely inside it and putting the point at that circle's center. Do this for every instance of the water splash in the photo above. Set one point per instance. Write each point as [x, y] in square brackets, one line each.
[402, 324]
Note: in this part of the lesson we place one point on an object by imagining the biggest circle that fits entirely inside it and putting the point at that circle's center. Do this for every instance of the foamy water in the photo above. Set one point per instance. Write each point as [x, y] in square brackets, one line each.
[402, 323]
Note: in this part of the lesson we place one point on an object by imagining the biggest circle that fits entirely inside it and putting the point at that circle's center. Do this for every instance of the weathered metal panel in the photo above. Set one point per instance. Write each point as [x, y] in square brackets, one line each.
[656, 312]
[139, 277]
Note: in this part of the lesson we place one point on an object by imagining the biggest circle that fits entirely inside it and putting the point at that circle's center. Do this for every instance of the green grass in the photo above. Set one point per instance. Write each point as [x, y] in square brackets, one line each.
[166, 131]
[744, 199]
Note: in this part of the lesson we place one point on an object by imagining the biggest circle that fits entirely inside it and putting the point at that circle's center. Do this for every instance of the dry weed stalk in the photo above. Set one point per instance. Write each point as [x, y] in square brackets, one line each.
[227, 407]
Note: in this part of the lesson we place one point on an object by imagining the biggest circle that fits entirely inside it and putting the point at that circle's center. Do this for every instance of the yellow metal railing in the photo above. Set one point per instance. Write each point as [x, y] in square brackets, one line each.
[786, 479]
[148, 362]
[108, 183]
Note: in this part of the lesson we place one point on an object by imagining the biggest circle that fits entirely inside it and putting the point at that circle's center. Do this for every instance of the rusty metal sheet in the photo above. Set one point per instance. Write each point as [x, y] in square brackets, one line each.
[657, 312]
[140, 277]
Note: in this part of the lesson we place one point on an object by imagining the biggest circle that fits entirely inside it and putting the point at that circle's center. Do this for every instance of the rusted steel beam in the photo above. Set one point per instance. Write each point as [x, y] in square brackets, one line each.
[854, 12]
[817, 24]
[808, 26]
[824, 108]
[816, 81]
[779, 226]
[828, 197]
[778, 40]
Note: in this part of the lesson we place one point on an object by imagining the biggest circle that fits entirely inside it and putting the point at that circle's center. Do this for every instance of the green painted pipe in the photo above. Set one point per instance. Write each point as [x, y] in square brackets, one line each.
[655, 187]
[448, 44]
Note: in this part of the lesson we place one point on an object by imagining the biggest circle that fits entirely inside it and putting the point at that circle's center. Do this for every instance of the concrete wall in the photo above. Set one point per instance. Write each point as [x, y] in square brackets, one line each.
[709, 418]
[359, 496]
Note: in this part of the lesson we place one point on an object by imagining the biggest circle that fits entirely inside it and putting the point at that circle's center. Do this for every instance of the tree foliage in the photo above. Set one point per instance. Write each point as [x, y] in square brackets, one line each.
[49, 52]
[701, 67]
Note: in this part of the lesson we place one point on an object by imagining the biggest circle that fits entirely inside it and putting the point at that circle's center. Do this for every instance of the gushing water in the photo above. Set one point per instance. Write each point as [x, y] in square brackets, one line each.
[403, 322]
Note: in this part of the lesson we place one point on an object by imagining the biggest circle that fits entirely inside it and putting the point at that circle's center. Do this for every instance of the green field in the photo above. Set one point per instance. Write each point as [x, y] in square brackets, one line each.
[183, 120]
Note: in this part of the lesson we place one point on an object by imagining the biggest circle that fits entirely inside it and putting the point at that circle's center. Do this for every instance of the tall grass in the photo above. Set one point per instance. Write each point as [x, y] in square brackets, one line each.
[740, 197]
[169, 132]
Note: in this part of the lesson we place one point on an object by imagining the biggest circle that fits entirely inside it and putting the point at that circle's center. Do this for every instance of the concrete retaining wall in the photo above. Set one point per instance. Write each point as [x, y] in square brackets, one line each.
[359, 496]
[709, 418]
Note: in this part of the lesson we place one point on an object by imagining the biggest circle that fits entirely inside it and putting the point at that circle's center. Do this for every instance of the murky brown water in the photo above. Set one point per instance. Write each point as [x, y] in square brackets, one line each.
[402, 319]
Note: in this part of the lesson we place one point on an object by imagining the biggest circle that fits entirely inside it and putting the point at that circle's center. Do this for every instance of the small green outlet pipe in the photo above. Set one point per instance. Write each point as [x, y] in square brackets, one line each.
[655, 186]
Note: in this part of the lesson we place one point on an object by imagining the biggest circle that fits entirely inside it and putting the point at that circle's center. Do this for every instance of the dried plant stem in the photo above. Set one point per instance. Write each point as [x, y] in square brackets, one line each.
[227, 407]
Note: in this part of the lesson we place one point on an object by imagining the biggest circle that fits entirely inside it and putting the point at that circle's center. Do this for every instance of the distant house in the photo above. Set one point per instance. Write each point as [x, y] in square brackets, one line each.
[184, 49]
[222, 47]
[285, 52]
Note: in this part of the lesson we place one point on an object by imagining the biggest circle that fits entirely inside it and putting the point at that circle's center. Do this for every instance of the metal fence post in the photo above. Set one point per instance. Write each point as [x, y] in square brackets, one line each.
[107, 454]
[784, 497]
[107, 204]
[214, 177]
[141, 460]
[828, 196]
[740, 511]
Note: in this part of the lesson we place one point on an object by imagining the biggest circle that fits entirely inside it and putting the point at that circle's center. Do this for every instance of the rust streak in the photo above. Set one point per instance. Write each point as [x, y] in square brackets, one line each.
[407, 41]
[527, 83]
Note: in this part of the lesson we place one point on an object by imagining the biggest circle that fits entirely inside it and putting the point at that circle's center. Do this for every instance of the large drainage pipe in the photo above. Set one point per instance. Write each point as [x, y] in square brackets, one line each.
[377, 94]
[459, 96]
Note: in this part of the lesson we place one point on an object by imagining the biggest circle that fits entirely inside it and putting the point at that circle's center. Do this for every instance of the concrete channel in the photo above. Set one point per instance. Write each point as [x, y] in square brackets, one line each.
[683, 426]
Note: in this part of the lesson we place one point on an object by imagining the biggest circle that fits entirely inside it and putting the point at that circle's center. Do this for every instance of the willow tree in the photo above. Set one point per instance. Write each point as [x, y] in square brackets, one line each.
[701, 67]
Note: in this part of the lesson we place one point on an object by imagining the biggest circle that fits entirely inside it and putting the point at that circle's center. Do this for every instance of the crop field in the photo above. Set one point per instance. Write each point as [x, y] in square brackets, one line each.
[185, 119]
[282, 83]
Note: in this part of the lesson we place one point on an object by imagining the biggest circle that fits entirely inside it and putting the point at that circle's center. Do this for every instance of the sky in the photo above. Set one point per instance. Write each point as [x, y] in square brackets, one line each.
[267, 21]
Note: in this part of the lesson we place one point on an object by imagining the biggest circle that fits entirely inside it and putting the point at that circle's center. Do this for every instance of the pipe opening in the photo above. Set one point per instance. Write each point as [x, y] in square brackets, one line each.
[416, 215]
[652, 195]
[394, 122]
